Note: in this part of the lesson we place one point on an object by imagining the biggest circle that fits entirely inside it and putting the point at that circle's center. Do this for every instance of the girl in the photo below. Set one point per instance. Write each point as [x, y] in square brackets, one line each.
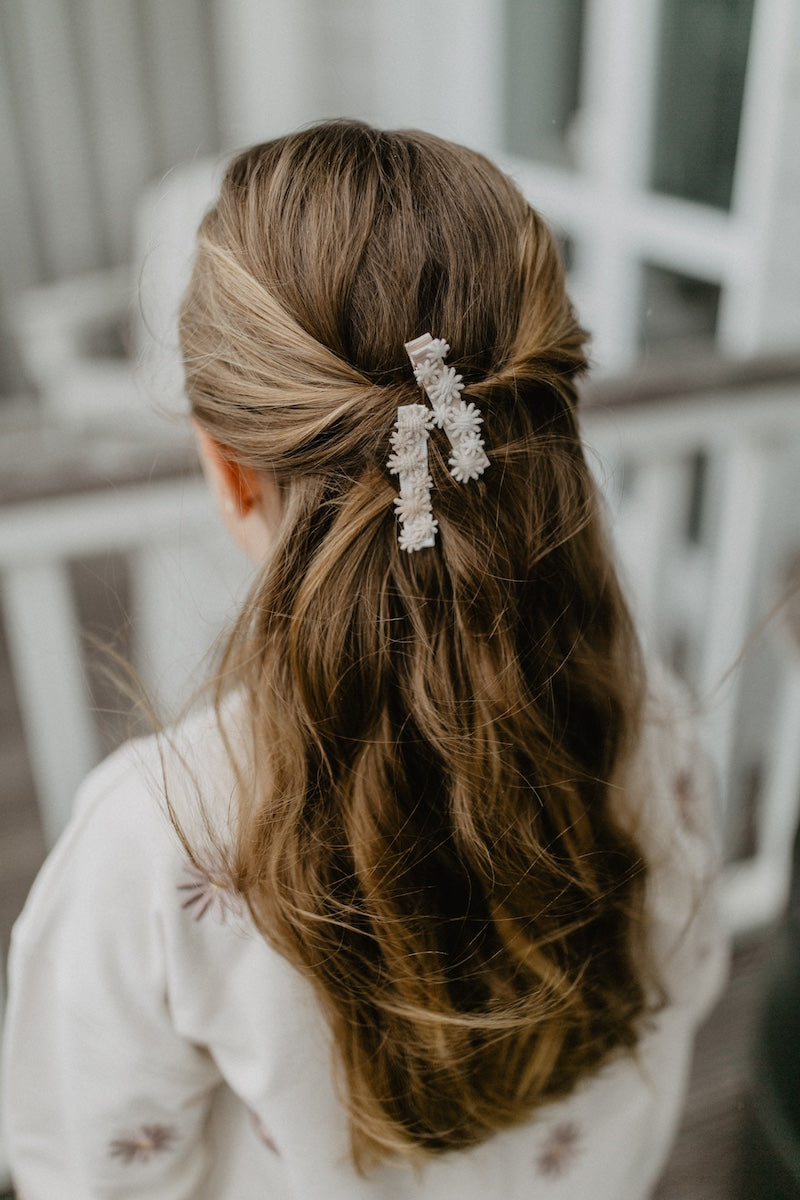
[418, 908]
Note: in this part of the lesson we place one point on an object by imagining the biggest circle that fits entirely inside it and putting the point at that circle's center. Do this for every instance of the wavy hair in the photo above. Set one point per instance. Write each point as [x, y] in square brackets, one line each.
[430, 815]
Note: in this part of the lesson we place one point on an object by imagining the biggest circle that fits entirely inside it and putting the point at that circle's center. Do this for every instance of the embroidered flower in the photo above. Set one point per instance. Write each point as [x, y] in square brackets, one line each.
[684, 798]
[210, 891]
[559, 1150]
[143, 1145]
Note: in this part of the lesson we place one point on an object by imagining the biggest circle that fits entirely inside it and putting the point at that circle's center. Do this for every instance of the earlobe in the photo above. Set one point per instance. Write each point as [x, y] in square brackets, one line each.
[248, 501]
[238, 488]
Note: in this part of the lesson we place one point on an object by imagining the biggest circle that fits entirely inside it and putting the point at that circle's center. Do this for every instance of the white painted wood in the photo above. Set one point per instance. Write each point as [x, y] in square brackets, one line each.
[618, 91]
[613, 151]
[48, 674]
[166, 222]
[780, 805]
[679, 234]
[401, 62]
[347, 75]
[438, 67]
[114, 81]
[21, 264]
[53, 127]
[729, 612]
[768, 137]
[75, 526]
[770, 415]
[266, 72]
[178, 60]
[464, 71]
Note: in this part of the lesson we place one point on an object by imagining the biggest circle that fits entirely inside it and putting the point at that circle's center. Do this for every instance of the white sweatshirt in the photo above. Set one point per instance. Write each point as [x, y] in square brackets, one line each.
[156, 1046]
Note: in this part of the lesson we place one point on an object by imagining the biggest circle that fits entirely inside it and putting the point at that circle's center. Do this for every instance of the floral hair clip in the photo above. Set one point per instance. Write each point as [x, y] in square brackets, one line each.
[409, 459]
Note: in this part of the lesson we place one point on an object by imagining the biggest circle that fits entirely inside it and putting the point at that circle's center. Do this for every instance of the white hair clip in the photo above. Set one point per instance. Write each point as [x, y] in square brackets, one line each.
[409, 459]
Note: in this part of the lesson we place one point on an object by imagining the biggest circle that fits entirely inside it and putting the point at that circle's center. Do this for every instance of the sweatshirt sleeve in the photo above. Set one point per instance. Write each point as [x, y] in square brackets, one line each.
[101, 1096]
[679, 829]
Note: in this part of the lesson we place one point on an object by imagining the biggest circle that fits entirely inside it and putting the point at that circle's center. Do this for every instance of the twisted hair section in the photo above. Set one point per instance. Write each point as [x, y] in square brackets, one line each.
[431, 811]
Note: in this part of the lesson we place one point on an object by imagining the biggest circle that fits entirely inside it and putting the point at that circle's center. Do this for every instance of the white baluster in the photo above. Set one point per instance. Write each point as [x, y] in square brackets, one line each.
[44, 645]
[728, 613]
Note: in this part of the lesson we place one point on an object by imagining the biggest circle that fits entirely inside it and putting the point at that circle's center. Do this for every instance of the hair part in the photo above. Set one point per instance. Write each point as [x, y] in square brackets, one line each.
[431, 812]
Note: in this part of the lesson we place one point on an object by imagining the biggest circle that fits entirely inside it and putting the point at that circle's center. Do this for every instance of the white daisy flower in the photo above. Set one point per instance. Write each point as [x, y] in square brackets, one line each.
[402, 461]
[448, 387]
[464, 420]
[413, 507]
[437, 348]
[427, 373]
[468, 460]
[417, 534]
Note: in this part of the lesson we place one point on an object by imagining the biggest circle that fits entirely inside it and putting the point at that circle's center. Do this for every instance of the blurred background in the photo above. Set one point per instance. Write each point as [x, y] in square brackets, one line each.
[659, 137]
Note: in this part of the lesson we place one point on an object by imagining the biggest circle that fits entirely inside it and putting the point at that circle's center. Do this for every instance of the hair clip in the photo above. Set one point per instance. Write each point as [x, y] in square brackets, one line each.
[409, 459]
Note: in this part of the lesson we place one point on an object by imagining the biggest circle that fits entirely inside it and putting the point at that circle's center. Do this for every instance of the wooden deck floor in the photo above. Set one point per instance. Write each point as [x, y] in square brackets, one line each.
[706, 1161]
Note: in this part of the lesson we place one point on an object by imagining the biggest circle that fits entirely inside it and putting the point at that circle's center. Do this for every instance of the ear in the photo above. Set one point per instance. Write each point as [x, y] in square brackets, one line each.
[236, 487]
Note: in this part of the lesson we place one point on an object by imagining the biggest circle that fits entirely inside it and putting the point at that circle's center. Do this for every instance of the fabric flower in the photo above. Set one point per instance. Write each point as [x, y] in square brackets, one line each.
[467, 460]
[143, 1145]
[685, 800]
[415, 535]
[402, 462]
[448, 387]
[414, 506]
[437, 348]
[210, 892]
[559, 1150]
[464, 420]
[427, 373]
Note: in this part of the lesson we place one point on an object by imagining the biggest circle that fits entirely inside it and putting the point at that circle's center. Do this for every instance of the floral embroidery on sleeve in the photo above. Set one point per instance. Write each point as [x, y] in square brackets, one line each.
[685, 800]
[559, 1149]
[140, 1147]
[210, 891]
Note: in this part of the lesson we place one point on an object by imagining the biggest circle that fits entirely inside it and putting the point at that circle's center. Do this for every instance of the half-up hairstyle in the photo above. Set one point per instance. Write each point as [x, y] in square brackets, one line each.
[431, 814]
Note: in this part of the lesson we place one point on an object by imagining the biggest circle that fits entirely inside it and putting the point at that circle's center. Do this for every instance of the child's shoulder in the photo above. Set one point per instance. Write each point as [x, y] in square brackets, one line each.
[672, 758]
[120, 846]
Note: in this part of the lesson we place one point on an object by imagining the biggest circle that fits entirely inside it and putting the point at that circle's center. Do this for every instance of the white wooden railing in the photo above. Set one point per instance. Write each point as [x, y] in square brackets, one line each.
[706, 558]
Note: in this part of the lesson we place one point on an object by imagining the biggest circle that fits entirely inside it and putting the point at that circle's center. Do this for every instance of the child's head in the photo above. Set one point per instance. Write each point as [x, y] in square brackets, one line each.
[432, 834]
[325, 253]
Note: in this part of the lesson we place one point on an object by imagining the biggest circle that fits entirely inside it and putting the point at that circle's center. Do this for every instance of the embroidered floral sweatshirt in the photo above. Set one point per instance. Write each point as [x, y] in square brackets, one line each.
[156, 1046]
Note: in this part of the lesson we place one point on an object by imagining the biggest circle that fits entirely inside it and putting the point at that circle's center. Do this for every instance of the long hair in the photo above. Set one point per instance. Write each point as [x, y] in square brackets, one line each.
[430, 815]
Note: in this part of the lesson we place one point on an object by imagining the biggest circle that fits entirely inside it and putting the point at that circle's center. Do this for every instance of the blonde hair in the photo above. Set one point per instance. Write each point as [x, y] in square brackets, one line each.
[429, 821]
